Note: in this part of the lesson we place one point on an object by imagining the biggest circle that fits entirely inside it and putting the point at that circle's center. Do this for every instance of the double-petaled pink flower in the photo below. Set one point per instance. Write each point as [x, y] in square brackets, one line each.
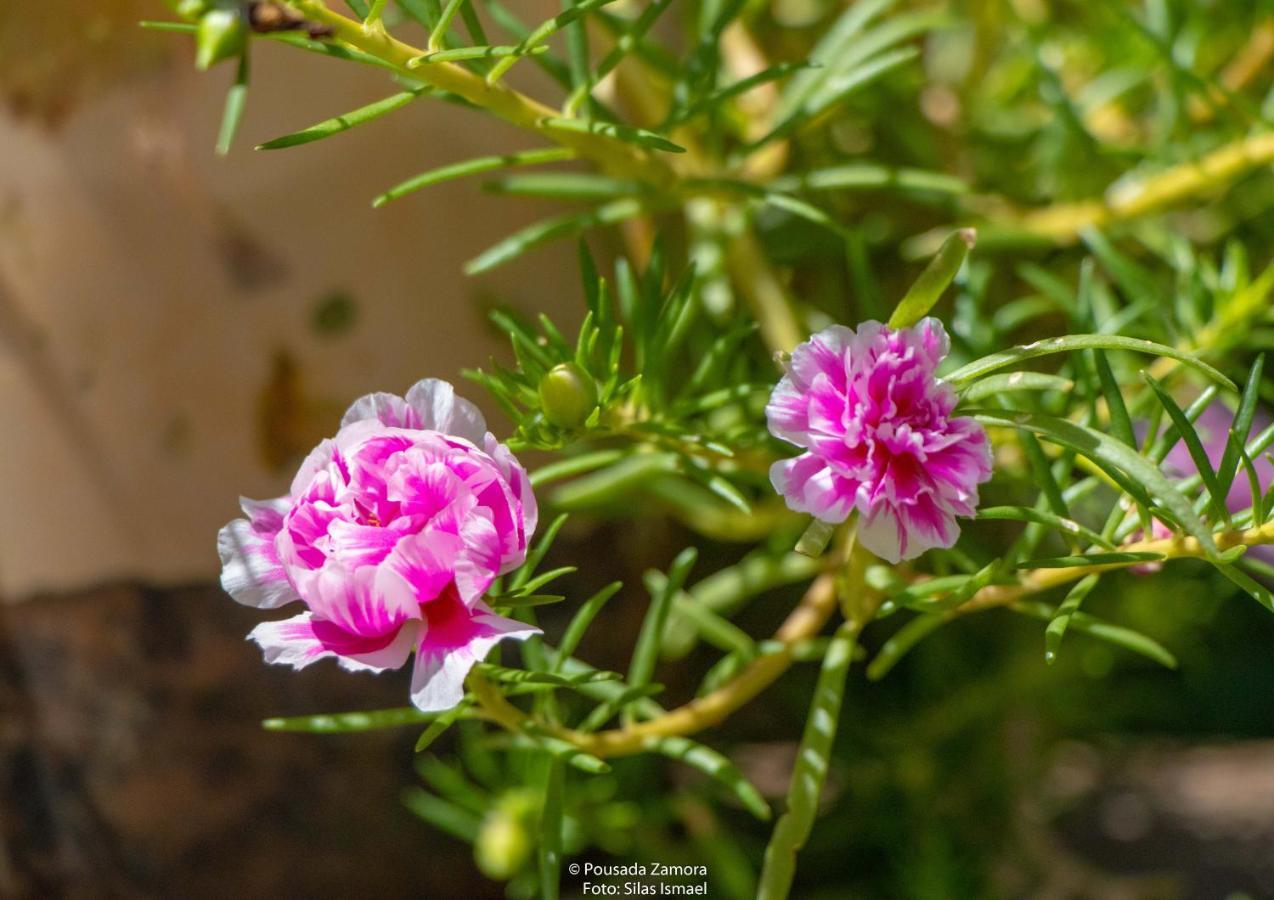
[876, 426]
[390, 535]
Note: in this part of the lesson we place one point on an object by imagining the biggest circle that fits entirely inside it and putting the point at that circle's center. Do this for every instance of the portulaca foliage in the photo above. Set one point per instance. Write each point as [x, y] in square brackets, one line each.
[1078, 395]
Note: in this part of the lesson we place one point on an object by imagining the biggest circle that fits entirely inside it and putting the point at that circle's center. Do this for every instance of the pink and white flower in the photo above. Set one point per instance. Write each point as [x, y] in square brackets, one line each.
[876, 426]
[390, 535]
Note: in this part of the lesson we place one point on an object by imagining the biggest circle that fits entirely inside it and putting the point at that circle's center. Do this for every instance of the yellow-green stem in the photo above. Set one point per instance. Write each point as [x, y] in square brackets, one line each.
[1063, 222]
[815, 608]
[764, 293]
[805, 621]
[512, 106]
[1170, 548]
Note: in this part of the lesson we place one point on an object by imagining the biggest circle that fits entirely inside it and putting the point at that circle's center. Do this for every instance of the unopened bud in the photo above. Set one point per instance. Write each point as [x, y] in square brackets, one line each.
[568, 395]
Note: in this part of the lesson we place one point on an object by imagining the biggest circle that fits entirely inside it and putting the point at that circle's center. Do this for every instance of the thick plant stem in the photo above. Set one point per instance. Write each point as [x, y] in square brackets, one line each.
[1171, 548]
[805, 621]
[1243, 68]
[492, 704]
[613, 155]
[1139, 197]
[815, 608]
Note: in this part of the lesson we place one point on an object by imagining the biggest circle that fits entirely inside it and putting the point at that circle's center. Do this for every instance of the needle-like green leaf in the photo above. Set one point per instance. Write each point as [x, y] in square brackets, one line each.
[579, 624]
[552, 229]
[236, 101]
[1102, 630]
[1068, 527]
[472, 167]
[1120, 423]
[1229, 466]
[995, 385]
[715, 766]
[337, 124]
[1131, 470]
[340, 723]
[1056, 629]
[1198, 454]
[1072, 342]
[649, 639]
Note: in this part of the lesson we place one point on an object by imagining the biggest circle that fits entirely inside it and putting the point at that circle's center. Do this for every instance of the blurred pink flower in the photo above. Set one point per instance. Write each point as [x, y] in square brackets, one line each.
[390, 535]
[1213, 427]
[876, 426]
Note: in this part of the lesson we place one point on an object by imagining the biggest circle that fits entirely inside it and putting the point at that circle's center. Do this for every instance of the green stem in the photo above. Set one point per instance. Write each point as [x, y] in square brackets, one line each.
[764, 293]
[1063, 222]
[512, 106]
[804, 622]
[1176, 547]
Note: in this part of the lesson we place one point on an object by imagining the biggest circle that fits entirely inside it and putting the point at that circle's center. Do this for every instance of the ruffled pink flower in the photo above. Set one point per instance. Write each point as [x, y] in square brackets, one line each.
[390, 535]
[876, 426]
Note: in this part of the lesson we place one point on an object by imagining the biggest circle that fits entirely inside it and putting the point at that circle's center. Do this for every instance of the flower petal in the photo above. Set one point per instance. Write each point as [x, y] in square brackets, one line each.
[787, 413]
[392, 656]
[437, 680]
[809, 485]
[824, 353]
[882, 534]
[303, 639]
[929, 336]
[427, 561]
[520, 484]
[251, 572]
[478, 564]
[291, 642]
[439, 409]
[454, 639]
[388, 409]
[324, 456]
[876, 423]
[368, 602]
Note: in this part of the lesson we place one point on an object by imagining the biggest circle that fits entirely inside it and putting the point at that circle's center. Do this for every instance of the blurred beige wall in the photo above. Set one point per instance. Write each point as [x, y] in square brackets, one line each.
[155, 298]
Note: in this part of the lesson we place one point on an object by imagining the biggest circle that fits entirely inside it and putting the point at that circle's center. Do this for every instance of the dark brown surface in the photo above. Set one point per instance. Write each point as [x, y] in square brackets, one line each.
[1198, 819]
[132, 762]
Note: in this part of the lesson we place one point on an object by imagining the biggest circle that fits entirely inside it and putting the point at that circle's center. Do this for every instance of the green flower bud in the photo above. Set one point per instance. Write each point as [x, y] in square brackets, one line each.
[568, 395]
[222, 34]
[503, 845]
